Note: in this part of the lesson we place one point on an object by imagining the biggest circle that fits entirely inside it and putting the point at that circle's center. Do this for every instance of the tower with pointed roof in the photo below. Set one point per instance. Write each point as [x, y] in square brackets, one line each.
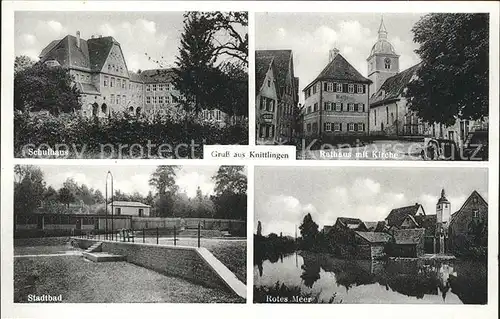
[443, 209]
[383, 62]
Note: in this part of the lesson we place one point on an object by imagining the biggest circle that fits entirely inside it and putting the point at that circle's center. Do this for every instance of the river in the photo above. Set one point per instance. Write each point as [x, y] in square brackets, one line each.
[370, 281]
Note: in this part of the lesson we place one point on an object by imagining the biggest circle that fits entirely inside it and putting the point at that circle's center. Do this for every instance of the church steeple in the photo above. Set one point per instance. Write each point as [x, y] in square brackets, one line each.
[382, 31]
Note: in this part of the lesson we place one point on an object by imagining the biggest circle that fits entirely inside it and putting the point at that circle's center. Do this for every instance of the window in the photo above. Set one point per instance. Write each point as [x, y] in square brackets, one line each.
[118, 210]
[118, 99]
[112, 83]
[325, 106]
[118, 83]
[338, 107]
[387, 63]
[309, 109]
[329, 87]
[350, 107]
[309, 127]
[160, 87]
[350, 88]
[270, 105]
[167, 99]
[124, 98]
[328, 126]
[154, 87]
[112, 99]
[160, 99]
[109, 67]
[315, 107]
[268, 83]
[361, 107]
[337, 127]
[106, 79]
[148, 87]
[167, 87]
[475, 214]
[148, 99]
[124, 83]
[339, 87]
[262, 103]
[314, 89]
[350, 127]
[154, 99]
[315, 127]
[360, 88]
[361, 127]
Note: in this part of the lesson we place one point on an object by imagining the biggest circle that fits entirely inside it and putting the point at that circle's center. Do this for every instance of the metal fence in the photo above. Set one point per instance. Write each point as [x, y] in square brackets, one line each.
[136, 235]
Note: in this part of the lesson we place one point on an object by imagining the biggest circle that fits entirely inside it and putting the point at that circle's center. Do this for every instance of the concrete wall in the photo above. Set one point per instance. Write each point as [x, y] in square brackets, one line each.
[155, 222]
[189, 263]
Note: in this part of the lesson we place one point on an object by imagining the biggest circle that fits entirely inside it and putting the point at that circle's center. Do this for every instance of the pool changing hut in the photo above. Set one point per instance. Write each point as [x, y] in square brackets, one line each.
[129, 208]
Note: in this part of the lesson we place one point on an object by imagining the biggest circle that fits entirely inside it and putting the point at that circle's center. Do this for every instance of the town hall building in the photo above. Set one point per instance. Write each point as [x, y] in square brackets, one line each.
[336, 102]
[100, 73]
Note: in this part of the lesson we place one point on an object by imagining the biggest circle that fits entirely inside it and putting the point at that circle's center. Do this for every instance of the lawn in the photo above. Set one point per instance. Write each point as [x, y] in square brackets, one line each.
[78, 280]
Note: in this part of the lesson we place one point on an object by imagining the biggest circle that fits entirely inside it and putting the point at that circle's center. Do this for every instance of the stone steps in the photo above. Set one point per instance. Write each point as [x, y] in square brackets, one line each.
[103, 257]
[94, 248]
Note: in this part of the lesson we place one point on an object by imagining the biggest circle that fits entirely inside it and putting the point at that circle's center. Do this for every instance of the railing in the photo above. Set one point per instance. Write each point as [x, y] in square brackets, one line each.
[130, 235]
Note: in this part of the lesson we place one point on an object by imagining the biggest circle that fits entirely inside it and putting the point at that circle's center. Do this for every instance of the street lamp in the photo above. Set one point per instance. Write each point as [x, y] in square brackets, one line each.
[112, 214]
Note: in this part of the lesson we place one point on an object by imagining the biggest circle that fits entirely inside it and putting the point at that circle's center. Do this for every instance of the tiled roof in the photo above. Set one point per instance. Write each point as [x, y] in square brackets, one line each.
[373, 237]
[157, 75]
[134, 77]
[349, 220]
[281, 62]
[98, 51]
[409, 236]
[393, 87]
[370, 225]
[262, 64]
[340, 69]
[86, 88]
[129, 204]
[397, 215]
[66, 52]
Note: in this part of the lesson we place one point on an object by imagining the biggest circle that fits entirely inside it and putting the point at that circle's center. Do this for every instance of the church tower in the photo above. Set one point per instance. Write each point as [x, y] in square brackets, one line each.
[443, 209]
[383, 61]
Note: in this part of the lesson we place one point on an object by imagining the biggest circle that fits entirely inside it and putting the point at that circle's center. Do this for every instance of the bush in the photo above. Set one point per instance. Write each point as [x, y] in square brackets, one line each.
[102, 138]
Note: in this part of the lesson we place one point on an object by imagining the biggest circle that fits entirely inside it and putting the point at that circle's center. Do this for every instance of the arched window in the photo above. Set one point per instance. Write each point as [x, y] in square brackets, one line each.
[138, 111]
[95, 109]
[387, 63]
[104, 108]
[131, 109]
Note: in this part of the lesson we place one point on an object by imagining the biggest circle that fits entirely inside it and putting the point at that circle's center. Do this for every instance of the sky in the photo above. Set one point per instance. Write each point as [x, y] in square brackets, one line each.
[130, 179]
[157, 34]
[284, 195]
[310, 36]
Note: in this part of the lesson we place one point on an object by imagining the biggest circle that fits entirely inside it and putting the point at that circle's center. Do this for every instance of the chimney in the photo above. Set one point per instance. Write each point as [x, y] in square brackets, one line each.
[78, 39]
[333, 54]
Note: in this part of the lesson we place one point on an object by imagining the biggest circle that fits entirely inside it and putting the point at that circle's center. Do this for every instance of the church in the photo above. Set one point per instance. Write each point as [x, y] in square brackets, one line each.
[389, 113]
[106, 85]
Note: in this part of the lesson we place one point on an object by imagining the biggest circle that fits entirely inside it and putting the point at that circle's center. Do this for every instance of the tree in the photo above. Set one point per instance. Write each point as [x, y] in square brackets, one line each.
[40, 88]
[229, 41]
[308, 231]
[22, 62]
[66, 196]
[230, 178]
[452, 80]
[163, 179]
[195, 69]
[29, 188]
[98, 197]
[259, 228]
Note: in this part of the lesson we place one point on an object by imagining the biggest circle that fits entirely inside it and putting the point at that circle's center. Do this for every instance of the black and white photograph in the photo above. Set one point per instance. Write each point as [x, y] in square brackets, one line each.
[129, 84]
[371, 235]
[130, 234]
[376, 86]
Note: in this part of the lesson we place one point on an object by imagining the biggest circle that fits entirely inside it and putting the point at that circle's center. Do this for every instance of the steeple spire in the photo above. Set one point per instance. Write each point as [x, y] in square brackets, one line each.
[382, 31]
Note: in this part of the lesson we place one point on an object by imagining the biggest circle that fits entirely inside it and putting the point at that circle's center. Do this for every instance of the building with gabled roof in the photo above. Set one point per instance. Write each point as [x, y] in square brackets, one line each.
[100, 73]
[129, 208]
[336, 101]
[275, 66]
[397, 216]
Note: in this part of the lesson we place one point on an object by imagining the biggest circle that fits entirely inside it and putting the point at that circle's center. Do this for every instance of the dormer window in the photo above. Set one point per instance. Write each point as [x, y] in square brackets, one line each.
[268, 83]
[475, 214]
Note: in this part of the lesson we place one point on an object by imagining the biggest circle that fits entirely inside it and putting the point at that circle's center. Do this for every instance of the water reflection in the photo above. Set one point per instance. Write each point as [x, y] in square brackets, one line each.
[370, 281]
